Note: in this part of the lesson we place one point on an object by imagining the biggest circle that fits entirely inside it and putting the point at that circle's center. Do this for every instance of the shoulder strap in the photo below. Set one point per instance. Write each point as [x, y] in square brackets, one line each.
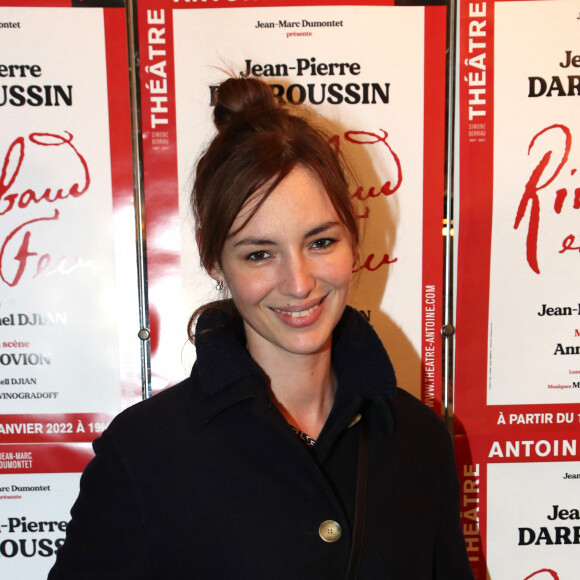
[360, 506]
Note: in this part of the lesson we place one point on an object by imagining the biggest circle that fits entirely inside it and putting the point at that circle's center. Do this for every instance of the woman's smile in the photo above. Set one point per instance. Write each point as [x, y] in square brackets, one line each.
[300, 316]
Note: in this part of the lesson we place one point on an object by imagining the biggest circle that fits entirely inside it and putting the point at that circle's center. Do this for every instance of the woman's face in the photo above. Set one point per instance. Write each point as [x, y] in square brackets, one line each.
[289, 269]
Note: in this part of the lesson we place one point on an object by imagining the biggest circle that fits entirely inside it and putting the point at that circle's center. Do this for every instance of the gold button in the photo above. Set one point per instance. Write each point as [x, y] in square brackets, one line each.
[329, 531]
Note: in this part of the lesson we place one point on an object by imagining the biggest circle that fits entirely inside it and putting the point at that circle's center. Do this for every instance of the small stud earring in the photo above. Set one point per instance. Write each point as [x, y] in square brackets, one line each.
[219, 285]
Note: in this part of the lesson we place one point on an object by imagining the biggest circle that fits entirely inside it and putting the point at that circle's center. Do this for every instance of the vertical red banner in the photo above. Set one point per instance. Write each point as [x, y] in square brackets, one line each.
[433, 186]
[476, 130]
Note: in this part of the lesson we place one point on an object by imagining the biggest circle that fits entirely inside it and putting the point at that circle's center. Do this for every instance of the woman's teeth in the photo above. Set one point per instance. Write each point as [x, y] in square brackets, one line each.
[299, 314]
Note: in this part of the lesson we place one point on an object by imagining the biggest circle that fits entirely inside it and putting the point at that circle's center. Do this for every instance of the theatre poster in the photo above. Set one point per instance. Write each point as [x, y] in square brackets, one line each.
[517, 364]
[69, 350]
[376, 73]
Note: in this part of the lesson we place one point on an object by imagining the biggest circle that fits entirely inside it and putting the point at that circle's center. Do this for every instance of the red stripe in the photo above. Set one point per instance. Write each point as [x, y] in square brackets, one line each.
[54, 458]
[159, 160]
[474, 248]
[473, 272]
[433, 189]
[171, 4]
[119, 107]
[36, 3]
[52, 428]
[472, 470]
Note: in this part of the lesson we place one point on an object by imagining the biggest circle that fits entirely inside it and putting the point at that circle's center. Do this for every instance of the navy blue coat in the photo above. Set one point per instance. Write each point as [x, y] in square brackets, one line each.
[207, 480]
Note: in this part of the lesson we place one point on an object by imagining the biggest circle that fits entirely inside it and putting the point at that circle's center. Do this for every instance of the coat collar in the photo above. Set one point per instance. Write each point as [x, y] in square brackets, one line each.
[227, 373]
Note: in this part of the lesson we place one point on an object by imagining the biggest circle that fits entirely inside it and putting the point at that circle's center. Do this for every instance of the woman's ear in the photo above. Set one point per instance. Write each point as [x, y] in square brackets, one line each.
[216, 273]
[218, 276]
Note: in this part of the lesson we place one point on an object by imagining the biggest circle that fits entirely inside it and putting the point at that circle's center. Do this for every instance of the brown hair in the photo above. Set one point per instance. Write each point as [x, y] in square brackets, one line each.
[258, 143]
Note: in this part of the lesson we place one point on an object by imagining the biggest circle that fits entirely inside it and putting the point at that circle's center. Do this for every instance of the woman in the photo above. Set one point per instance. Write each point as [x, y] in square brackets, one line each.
[289, 453]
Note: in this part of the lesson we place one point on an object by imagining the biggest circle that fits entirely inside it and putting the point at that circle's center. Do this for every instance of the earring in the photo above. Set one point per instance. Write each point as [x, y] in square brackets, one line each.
[219, 285]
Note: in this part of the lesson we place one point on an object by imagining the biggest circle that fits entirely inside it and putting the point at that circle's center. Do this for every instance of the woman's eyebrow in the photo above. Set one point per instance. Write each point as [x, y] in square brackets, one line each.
[250, 241]
[254, 242]
[321, 228]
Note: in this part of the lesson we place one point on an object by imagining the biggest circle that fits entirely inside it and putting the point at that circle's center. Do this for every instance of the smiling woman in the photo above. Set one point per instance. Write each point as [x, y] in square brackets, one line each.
[285, 248]
[290, 452]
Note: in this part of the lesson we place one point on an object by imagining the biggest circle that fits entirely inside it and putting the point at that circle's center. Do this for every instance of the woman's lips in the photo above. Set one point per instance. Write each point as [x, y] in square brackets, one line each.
[302, 315]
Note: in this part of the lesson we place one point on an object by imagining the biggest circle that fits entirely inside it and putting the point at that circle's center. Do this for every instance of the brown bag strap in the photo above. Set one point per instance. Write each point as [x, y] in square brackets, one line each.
[360, 506]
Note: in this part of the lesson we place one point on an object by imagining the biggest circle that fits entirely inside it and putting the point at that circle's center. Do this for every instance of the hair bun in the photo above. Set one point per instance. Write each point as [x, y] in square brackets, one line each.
[242, 97]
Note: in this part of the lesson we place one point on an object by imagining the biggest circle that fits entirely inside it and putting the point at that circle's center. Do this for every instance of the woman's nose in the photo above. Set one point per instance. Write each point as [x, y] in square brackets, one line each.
[298, 280]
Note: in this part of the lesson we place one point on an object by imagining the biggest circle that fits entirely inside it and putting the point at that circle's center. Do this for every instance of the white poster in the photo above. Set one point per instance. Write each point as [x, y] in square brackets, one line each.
[59, 344]
[533, 520]
[534, 310]
[34, 512]
[371, 94]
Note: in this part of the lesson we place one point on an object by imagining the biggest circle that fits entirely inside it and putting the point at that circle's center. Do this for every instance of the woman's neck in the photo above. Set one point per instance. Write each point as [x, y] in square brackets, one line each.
[302, 387]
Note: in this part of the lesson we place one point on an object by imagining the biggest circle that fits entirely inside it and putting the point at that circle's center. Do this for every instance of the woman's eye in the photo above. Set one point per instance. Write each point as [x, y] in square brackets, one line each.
[259, 256]
[323, 243]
